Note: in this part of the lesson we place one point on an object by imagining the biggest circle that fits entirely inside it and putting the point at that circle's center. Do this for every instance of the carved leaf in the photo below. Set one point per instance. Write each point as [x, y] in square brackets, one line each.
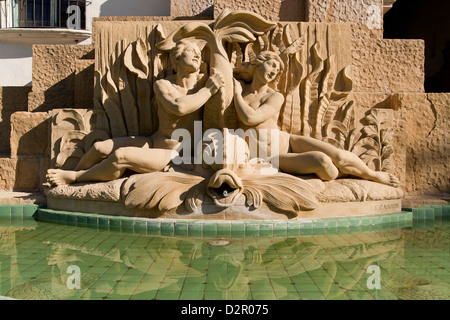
[327, 82]
[139, 66]
[197, 30]
[162, 190]
[295, 46]
[324, 105]
[387, 152]
[127, 97]
[290, 86]
[371, 131]
[376, 117]
[277, 44]
[236, 33]
[112, 105]
[253, 22]
[369, 143]
[285, 192]
[70, 119]
[346, 79]
[346, 114]
[236, 56]
[336, 126]
[387, 136]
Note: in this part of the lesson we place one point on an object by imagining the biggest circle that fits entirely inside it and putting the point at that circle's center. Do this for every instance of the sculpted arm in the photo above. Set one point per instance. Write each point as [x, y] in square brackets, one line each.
[170, 98]
[253, 117]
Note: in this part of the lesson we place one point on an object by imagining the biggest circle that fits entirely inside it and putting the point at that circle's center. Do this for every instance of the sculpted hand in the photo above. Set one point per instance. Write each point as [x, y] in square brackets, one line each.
[215, 82]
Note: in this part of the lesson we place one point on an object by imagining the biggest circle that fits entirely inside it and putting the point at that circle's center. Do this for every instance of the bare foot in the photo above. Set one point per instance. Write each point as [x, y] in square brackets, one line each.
[60, 177]
[386, 178]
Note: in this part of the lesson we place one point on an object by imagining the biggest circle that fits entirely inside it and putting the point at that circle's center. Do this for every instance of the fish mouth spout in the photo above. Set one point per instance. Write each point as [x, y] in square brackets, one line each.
[224, 188]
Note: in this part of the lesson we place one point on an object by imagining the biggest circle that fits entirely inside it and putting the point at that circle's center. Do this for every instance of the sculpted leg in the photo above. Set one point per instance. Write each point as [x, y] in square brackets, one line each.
[102, 149]
[133, 158]
[345, 161]
[309, 163]
[99, 151]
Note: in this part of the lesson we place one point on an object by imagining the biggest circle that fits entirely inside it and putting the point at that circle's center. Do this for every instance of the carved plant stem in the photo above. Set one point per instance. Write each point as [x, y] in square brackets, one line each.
[218, 103]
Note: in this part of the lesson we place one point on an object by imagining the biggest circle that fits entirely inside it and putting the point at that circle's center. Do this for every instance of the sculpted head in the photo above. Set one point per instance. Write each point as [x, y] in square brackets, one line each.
[268, 63]
[187, 53]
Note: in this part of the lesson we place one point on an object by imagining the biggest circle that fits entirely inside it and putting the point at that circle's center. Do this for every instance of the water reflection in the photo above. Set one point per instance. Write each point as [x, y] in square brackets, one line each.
[34, 261]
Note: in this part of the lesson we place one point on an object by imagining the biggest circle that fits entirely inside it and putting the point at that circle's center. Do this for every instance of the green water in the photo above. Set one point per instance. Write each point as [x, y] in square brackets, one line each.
[409, 263]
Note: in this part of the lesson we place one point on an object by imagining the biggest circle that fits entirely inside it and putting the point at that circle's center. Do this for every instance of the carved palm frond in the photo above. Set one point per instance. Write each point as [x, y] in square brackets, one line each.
[162, 190]
[375, 144]
[124, 106]
[285, 192]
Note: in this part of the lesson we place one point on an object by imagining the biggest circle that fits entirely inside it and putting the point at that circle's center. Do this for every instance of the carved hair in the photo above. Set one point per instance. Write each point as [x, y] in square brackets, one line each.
[247, 70]
[176, 51]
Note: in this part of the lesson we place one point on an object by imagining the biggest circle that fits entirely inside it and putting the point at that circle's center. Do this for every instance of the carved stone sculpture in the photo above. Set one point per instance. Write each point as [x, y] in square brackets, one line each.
[244, 118]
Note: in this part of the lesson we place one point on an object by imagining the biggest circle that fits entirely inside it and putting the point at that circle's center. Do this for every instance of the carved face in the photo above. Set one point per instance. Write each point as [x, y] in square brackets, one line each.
[190, 57]
[269, 70]
[225, 186]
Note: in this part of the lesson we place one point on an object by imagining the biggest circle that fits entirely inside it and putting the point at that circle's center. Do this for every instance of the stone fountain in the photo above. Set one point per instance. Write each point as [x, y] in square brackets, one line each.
[182, 114]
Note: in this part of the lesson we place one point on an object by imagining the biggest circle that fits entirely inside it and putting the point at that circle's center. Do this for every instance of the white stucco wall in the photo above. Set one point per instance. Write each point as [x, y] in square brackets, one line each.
[110, 8]
[15, 64]
[15, 58]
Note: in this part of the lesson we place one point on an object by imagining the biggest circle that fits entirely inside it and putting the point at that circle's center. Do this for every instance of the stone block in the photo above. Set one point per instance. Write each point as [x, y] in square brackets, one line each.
[361, 31]
[179, 8]
[45, 101]
[19, 174]
[27, 174]
[273, 10]
[54, 66]
[190, 8]
[427, 119]
[368, 12]
[7, 173]
[29, 134]
[12, 99]
[388, 65]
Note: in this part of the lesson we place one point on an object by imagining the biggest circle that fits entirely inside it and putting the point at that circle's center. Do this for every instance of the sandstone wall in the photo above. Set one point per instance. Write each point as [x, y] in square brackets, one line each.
[63, 77]
[61, 73]
[12, 99]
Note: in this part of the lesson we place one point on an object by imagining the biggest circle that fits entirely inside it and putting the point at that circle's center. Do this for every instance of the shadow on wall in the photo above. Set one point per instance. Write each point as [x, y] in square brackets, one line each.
[427, 20]
[12, 99]
[24, 124]
[293, 10]
[135, 8]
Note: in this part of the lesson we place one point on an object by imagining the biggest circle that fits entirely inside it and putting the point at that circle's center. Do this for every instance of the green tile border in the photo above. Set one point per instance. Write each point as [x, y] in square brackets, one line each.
[229, 229]
[18, 211]
[430, 214]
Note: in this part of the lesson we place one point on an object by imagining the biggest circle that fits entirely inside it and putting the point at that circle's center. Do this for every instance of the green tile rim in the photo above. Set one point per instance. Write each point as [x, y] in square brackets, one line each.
[306, 227]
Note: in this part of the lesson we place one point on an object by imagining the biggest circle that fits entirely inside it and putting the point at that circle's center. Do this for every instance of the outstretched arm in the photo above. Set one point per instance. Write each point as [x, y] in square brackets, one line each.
[170, 98]
[253, 117]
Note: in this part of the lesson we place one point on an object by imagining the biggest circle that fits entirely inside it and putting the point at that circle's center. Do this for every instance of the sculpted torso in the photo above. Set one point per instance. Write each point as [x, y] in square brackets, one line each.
[180, 99]
[266, 104]
[258, 107]
[170, 117]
